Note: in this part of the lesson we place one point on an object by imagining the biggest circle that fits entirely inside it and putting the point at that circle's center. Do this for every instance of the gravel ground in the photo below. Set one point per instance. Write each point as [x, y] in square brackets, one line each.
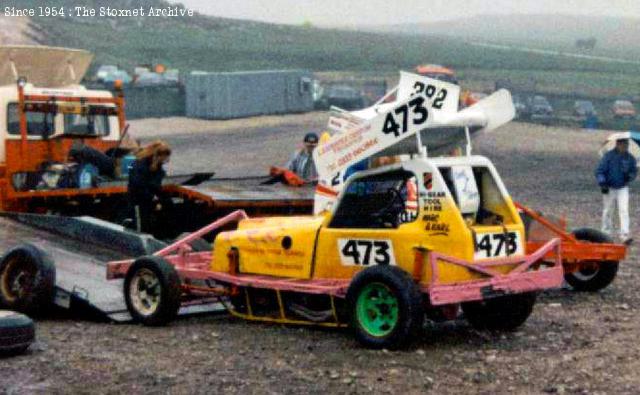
[573, 343]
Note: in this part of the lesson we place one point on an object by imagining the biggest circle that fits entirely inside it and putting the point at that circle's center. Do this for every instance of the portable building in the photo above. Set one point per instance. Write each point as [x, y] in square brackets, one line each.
[243, 94]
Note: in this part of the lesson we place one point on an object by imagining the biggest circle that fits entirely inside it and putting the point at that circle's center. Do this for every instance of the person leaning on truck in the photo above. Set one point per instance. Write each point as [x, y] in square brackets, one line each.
[614, 173]
[145, 183]
[302, 162]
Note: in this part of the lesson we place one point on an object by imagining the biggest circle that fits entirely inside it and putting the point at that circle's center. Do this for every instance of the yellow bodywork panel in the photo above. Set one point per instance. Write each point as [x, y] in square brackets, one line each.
[279, 246]
[313, 247]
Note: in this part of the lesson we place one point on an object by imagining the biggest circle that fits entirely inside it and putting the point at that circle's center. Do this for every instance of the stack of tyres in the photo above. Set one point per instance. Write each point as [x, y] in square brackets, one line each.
[27, 280]
[17, 332]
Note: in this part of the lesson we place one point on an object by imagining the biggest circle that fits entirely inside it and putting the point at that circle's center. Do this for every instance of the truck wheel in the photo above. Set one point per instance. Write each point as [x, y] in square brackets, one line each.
[198, 245]
[152, 291]
[385, 307]
[27, 280]
[504, 313]
[17, 332]
[602, 274]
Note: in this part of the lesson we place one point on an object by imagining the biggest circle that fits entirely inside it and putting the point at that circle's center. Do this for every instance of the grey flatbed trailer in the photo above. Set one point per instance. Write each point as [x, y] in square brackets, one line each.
[80, 248]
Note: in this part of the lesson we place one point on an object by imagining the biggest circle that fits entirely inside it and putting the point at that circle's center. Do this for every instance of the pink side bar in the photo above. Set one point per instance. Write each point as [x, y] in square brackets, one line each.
[180, 253]
[518, 280]
[335, 287]
[196, 266]
[235, 216]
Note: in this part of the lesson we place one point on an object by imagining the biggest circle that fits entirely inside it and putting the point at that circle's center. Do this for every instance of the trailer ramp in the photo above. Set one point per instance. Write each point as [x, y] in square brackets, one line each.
[81, 248]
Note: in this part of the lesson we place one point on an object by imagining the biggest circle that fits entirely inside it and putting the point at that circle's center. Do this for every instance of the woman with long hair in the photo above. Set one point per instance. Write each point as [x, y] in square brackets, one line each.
[145, 183]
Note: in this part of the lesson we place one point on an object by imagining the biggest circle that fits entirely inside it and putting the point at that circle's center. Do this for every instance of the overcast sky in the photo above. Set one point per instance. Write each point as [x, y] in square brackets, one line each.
[376, 12]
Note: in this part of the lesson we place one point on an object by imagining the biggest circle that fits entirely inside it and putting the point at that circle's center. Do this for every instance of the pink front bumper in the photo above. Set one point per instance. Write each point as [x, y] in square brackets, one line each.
[522, 278]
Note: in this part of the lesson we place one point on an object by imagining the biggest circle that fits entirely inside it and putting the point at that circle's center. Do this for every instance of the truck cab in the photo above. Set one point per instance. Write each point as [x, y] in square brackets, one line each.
[43, 112]
[53, 122]
[61, 125]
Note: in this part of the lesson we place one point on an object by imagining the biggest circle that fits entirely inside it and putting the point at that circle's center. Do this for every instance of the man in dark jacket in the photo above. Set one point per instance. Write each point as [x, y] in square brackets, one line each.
[145, 183]
[614, 173]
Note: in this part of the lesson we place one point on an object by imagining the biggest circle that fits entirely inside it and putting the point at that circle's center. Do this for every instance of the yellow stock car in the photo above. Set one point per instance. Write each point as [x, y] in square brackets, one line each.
[423, 237]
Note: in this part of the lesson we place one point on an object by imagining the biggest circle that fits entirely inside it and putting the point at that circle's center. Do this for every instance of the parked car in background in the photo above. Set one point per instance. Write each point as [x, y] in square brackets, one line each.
[172, 76]
[109, 74]
[540, 109]
[438, 72]
[584, 109]
[343, 96]
[140, 70]
[151, 79]
[623, 109]
[520, 106]
[104, 71]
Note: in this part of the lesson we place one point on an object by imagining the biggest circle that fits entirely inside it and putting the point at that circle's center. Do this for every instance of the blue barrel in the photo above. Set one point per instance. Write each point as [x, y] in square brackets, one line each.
[126, 163]
[87, 176]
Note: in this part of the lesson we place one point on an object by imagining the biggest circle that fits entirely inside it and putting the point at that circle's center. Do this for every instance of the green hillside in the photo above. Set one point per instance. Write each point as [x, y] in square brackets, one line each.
[209, 43]
[217, 44]
[619, 37]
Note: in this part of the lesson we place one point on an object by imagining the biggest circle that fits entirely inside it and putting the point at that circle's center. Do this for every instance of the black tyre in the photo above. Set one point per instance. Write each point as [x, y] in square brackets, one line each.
[385, 307]
[17, 332]
[198, 245]
[152, 291]
[27, 280]
[602, 274]
[504, 313]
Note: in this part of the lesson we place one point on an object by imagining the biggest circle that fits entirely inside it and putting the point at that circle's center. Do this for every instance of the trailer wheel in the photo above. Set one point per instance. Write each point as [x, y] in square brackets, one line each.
[17, 332]
[504, 313]
[602, 274]
[27, 280]
[385, 307]
[198, 245]
[152, 291]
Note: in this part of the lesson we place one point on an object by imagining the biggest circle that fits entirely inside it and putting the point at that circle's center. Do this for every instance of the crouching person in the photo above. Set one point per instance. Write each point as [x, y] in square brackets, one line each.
[614, 173]
[145, 183]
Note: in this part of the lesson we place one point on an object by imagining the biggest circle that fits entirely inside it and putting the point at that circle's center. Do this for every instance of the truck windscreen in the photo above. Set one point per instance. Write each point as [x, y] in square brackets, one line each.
[86, 125]
[36, 124]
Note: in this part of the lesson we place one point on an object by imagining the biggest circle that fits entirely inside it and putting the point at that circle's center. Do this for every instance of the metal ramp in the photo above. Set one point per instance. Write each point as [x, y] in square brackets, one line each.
[81, 248]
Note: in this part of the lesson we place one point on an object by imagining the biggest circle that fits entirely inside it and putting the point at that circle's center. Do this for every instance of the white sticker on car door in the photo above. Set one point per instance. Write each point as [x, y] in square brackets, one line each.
[496, 245]
[366, 252]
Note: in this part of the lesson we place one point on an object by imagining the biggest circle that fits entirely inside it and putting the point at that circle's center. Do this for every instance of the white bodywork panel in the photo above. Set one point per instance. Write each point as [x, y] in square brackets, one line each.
[422, 104]
[421, 166]
[466, 188]
[409, 85]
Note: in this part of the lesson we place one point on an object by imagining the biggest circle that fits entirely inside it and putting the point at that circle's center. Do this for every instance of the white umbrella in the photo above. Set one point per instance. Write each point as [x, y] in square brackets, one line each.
[610, 143]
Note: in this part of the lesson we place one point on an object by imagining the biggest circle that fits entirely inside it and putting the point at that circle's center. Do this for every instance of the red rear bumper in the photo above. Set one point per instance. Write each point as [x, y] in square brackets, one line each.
[522, 278]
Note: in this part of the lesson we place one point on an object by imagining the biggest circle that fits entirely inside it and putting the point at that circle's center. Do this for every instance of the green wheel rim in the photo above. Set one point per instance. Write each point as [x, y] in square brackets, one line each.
[377, 309]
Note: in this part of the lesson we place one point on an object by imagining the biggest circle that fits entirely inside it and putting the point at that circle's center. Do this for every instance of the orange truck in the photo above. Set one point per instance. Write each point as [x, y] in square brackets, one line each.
[38, 125]
[45, 111]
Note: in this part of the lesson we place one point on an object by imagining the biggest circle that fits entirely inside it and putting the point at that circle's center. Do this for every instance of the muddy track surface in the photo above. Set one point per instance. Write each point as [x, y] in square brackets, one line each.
[573, 343]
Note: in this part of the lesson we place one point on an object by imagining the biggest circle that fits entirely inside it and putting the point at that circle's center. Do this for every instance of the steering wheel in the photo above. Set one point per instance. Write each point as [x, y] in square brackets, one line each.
[384, 214]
